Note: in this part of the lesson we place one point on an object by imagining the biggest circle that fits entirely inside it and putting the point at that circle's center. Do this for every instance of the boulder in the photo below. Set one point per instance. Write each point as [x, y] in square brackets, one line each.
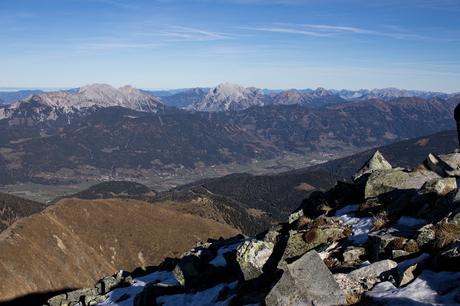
[81, 295]
[378, 242]
[376, 162]
[252, 255]
[58, 300]
[439, 186]
[355, 283]
[307, 281]
[426, 235]
[452, 160]
[369, 275]
[353, 254]
[381, 182]
[188, 270]
[323, 230]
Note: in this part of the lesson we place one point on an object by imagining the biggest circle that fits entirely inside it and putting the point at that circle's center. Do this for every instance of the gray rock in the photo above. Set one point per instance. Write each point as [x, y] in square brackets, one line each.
[369, 275]
[187, 270]
[352, 254]
[300, 242]
[307, 281]
[295, 216]
[376, 162]
[439, 186]
[57, 300]
[385, 181]
[355, 283]
[379, 240]
[79, 295]
[426, 235]
[452, 160]
[252, 256]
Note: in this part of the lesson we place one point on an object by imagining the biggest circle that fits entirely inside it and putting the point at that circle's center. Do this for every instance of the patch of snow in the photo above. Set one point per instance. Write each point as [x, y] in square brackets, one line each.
[430, 288]
[346, 210]
[205, 297]
[125, 296]
[359, 226]
[411, 222]
[219, 260]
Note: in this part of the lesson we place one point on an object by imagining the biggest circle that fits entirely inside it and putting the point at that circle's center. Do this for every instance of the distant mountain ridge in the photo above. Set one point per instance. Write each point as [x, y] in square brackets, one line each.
[86, 97]
[233, 97]
[227, 96]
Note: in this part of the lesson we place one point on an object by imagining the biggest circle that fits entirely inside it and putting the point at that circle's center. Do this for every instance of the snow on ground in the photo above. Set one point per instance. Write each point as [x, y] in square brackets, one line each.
[346, 210]
[125, 296]
[219, 260]
[430, 288]
[205, 297]
[360, 226]
[411, 222]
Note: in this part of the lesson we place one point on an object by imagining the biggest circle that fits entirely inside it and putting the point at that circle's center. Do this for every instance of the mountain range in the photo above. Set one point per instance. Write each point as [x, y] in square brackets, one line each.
[227, 96]
[98, 130]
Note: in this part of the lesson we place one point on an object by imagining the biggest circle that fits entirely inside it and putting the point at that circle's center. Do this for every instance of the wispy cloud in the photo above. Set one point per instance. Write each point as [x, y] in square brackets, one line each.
[177, 32]
[325, 30]
[287, 30]
[153, 39]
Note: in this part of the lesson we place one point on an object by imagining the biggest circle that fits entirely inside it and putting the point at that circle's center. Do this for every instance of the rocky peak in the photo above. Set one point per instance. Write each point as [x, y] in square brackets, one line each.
[376, 162]
[227, 96]
[321, 92]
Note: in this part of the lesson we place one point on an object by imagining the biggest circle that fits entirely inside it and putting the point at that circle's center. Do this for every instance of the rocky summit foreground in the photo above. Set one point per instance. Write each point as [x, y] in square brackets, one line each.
[392, 237]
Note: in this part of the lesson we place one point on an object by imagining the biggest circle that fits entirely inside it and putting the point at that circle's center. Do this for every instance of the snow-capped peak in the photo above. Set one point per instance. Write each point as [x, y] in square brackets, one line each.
[227, 96]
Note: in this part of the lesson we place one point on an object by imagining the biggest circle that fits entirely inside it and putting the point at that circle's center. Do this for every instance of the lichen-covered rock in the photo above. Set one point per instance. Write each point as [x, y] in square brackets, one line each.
[376, 162]
[426, 235]
[439, 186]
[306, 281]
[353, 254]
[384, 181]
[252, 255]
[323, 230]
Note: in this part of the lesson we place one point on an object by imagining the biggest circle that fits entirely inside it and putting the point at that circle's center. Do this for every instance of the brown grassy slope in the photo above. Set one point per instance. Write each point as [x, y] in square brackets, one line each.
[76, 242]
[13, 208]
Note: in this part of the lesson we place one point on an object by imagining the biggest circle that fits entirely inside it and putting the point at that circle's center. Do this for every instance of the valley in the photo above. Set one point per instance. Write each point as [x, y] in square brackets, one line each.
[165, 179]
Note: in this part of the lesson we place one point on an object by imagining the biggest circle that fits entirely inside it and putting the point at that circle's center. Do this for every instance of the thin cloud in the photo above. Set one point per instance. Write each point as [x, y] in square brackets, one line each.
[325, 30]
[286, 30]
[190, 33]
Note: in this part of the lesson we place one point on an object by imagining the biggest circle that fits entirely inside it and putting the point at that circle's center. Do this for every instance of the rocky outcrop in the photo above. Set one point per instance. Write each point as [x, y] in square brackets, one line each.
[378, 240]
[376, 162]
[307, 281]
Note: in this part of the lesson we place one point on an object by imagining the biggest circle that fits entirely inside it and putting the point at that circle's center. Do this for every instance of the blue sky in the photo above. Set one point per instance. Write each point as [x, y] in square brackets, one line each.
[413, 44]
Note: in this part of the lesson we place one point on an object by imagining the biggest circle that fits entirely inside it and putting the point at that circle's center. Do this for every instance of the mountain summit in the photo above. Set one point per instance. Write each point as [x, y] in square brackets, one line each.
[227, 96]
[100, 95]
